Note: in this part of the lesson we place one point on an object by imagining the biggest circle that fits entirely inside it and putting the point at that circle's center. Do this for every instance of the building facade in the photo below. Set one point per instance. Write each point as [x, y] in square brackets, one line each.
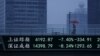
[2, 16]
[24, 16]
[94, 16]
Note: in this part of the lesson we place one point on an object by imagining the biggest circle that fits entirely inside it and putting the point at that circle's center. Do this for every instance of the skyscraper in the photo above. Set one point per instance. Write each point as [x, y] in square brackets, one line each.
[79, 15]
[23, 16]
[94, 16]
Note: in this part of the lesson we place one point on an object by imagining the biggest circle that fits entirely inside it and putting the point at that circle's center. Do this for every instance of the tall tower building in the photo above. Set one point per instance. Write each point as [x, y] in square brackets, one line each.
[79, 15]
[94, 16]
[23, 16]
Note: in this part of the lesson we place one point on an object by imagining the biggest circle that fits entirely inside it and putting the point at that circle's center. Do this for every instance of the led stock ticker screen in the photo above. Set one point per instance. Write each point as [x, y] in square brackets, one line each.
[33, 43]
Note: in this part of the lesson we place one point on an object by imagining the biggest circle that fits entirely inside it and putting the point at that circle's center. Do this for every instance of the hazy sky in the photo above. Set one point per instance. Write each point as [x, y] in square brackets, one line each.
[58, 9]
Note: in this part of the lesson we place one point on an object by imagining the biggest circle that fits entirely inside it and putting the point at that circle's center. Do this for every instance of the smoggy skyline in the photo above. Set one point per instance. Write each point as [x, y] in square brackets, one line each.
[57, 10]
